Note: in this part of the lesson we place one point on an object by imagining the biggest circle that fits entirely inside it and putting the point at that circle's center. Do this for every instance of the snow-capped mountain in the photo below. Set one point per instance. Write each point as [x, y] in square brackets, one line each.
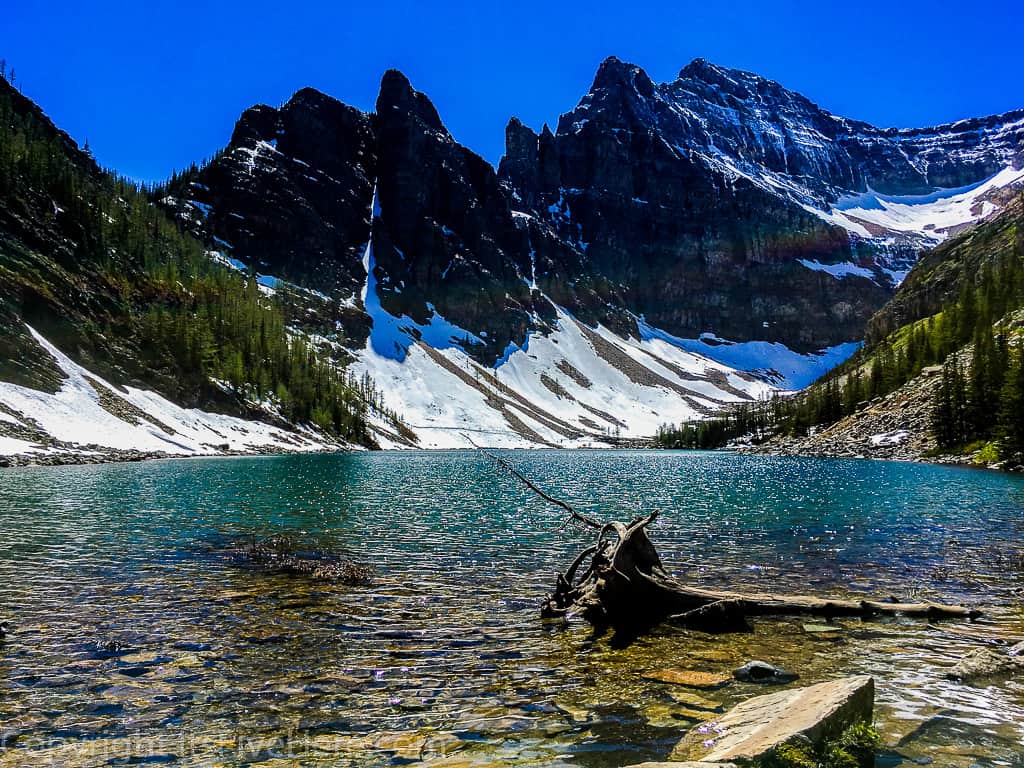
[669, 249]
[635, 150]
[570, 384]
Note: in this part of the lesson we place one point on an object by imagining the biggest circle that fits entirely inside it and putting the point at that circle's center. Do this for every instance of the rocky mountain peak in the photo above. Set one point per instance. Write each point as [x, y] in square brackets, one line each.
[520, 158]
[256, 122]
[520, 136]
[620, 96]
[717, 87]
[615, 75]
[311, 96]
[702, 69]
[397, 94]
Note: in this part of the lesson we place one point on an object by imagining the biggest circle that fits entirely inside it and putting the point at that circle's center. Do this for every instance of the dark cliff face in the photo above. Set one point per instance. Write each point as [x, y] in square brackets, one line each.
[696, 249]
[290, 195]
[446, 236]
[686, 202]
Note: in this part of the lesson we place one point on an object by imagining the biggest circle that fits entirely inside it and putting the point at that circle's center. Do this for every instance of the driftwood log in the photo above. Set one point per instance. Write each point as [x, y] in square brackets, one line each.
[619, 582]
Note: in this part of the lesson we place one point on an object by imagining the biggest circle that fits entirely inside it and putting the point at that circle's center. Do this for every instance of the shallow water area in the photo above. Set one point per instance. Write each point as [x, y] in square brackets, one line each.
[135, 640]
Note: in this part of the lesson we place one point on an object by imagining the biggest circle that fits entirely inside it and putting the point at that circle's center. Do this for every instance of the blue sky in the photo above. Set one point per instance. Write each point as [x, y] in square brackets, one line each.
[156, 85]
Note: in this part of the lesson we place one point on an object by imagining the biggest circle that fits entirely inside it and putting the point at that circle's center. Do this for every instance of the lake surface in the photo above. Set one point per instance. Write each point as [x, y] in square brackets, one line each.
[137, 639]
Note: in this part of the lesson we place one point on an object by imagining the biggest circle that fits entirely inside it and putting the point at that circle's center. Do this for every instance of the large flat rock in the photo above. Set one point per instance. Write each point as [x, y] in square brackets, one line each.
[751, 729]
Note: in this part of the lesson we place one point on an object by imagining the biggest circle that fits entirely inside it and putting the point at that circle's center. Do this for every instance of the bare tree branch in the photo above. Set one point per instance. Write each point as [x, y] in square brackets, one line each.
[507, 465]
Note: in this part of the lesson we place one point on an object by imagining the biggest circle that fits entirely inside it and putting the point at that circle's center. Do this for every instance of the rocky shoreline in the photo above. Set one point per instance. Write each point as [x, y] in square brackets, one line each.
[896, 427]
[101, 455]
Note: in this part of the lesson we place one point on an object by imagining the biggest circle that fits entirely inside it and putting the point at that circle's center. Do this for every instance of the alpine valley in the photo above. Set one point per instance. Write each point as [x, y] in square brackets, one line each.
[333, 278]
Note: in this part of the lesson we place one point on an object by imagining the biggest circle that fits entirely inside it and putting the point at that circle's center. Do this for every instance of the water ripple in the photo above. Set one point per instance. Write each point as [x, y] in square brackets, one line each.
[135, 638]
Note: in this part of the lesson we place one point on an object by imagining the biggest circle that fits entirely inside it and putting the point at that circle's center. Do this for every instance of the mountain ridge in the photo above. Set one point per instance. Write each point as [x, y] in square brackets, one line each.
[498, 258]
[121, 337]
[665, 236]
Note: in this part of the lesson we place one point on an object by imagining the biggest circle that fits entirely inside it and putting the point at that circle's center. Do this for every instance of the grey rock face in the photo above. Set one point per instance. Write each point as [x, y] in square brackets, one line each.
[753, 729]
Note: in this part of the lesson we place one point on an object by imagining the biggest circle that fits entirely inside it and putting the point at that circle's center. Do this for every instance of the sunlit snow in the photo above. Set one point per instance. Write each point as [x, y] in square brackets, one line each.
[74, 415]
[839, 270]
[931, 215]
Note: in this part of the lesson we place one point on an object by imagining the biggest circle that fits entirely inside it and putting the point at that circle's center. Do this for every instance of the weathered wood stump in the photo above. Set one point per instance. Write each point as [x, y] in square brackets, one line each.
[620, 583]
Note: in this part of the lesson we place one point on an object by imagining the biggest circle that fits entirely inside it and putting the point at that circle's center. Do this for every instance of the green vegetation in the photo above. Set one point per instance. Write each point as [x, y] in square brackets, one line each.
[108, 276]
[976, 396]
[855, 748]
[747, 419]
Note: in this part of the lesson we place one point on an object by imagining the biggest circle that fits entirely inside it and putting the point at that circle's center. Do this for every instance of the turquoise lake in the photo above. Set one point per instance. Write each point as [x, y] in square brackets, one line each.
[136, 639]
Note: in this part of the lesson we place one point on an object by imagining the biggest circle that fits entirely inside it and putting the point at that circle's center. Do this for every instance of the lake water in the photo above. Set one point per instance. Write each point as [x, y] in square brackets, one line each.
[137, 640]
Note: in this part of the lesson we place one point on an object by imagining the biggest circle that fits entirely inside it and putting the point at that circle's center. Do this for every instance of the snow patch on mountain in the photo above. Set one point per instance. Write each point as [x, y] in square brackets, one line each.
[89, 414]
[776, 363]
[841, 270]
[581, 386]
[935, 215]
[575, 386]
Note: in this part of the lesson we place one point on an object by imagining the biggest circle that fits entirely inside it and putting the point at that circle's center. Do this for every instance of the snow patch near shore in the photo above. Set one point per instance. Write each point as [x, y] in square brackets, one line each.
[76, 418]
[897, 437]
[580, 386]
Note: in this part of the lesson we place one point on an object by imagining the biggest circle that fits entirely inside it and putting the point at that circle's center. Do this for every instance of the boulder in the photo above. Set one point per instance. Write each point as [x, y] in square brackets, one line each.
[759, 725]
[763, 672]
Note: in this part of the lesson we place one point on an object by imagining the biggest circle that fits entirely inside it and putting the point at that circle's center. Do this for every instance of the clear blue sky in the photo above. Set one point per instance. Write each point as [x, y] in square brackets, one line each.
[156, 85]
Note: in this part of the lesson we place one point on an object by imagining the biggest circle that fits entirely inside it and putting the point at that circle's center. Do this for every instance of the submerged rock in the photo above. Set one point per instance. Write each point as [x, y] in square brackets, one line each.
[688, 677]
[763, 672]
[985, 663]
[693, 700]
[279, 554]
[760, 725]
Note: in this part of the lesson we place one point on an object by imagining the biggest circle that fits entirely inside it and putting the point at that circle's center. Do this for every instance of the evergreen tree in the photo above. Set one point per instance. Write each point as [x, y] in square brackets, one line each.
[1011, 413]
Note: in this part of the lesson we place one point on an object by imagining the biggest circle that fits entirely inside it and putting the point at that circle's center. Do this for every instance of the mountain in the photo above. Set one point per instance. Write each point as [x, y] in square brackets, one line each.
[668, 251]
[727, 183]
[121, 337]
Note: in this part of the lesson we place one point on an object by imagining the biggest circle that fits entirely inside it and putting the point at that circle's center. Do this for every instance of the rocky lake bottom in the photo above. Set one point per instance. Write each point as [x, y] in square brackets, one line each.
[135, 637]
